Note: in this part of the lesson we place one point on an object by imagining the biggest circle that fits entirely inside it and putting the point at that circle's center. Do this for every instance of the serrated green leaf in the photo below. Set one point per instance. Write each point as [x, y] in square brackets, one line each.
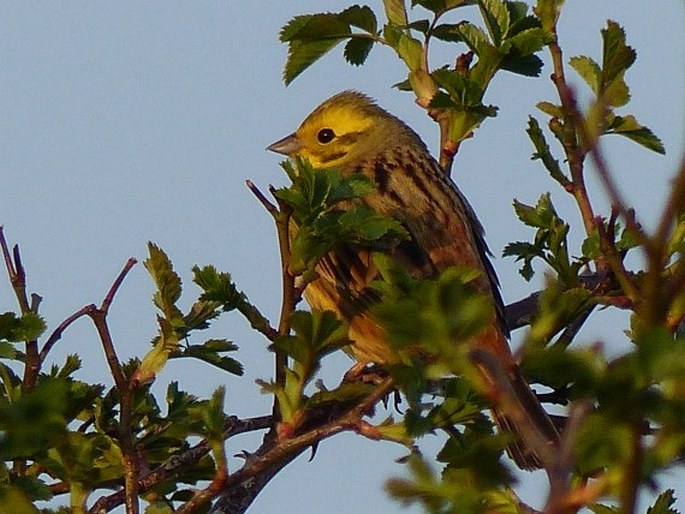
[589, 71]
[213, 415]
[496, 17]
[8, 351]
[360, 16]
[527, 65]
[167, 281]
[431, 5]
[474, 37]
[525, 252]
[590, 247]
[664, 504]
[523, 23]
[540, 216]
[27, 327]
[357, 50]
[420, 25]
[293, 27]
[301, 55]
[527, 42]
[617, 57]
[542, 150]
[218, 287]
[209, 352]
[395, 11]
[629, 127]
[517, 11]
[447, 32]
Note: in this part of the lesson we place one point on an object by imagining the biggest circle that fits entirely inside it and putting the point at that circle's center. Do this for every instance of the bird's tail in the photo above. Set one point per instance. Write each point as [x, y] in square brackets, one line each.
[516, 408]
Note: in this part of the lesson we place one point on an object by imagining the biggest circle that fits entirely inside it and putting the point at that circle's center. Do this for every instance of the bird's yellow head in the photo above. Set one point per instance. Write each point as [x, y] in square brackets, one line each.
[344, 130]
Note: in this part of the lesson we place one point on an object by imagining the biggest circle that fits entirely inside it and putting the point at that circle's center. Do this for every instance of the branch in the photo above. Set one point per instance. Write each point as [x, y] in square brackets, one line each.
[57, 333]
[17, 276]
[567, 135]
[99, 317]
[243, 486]
[177, 463]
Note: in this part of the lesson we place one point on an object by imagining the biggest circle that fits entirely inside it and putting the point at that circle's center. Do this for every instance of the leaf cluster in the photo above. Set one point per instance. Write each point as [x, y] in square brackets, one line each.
[327, 211]
[508, 40]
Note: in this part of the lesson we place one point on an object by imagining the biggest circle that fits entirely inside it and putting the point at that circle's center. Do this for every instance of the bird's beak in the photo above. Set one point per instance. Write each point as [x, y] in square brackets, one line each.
[289, 145]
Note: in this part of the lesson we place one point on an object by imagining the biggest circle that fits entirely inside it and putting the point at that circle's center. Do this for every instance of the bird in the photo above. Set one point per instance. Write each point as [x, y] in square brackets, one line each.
[351, 133]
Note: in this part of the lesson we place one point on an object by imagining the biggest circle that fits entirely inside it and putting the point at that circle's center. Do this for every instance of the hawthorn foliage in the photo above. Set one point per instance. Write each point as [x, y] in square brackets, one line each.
[624, 417]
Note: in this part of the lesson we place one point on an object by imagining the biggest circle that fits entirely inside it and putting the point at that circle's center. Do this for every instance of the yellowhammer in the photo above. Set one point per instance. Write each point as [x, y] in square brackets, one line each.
[350, 133]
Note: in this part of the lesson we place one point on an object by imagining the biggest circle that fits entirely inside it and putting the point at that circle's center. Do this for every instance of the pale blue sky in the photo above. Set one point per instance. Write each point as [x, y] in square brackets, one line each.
[123, 122]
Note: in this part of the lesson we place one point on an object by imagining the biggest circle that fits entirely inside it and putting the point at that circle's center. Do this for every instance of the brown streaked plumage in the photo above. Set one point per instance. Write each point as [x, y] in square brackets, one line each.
[351, 133]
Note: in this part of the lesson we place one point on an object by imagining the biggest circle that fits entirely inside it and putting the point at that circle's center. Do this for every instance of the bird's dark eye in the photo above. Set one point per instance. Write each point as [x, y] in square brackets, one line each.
[325, 135]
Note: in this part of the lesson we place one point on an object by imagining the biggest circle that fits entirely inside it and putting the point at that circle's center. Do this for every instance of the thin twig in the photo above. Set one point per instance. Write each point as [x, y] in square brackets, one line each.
[270, 207]
[17, 276]
[57, 333]
[109, 297]
[177, 463]
[289, 297]
[568, 137]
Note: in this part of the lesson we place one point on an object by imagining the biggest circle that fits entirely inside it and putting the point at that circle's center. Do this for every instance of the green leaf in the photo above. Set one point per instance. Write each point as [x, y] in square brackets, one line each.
[15, 329]
[474, 37]
[8, 351]
[217, 286]
[628, 126]
[43, 410]
[360, 16]
[664, 504]
[32, 487]
[527, 42]
[602, 442]
[357, 50]
[590, 247]
[167, 281]
[553, 110]
[527, 65]
[617, 57]
[496, 17]
[410, 51]
[589, 70]
[447, 32]
[301, 55]
[548, 12]
[543, 152]
[309, 38]
[395, 11]
[209, 352]
[540, 216]
[156, 359]
[526, 252]
[14, 501]
[213, 415]
[420, 25]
